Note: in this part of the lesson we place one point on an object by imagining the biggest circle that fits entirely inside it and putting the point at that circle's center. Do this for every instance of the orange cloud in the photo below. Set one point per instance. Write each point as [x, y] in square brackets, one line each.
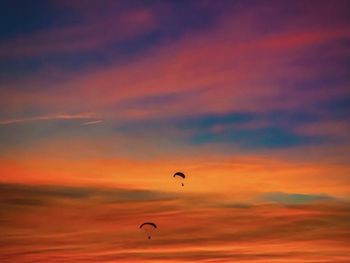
[244, 177]
[85, 224]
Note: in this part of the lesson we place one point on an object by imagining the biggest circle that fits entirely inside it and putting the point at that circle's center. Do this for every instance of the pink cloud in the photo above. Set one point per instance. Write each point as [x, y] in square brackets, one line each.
[80, 116]
[230, 67]
[240, 74]
[93, 122]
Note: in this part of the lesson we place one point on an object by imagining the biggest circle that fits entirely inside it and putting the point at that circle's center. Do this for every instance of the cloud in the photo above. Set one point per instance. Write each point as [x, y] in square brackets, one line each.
[292, 198]
[18, 194]
[85, 35]
[256, 63]
[101, 225]
[228, 71]
[80, 116]
[93, 122]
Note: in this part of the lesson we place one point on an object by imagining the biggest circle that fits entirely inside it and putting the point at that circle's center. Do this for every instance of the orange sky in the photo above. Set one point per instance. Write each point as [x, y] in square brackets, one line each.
[101, 102]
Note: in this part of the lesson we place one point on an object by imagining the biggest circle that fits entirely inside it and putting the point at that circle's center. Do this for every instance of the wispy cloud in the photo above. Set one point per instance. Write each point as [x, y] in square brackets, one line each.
[84, 36]
[295, 198]
[79, 116]
[93, 122]
[100, 225]
[58, 193]
[282, 68]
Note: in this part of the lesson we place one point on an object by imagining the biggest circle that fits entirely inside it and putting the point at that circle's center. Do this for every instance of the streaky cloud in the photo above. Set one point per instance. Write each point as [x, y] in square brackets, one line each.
[295, 198]
[92, 122]
[79, 116]
[22, 194]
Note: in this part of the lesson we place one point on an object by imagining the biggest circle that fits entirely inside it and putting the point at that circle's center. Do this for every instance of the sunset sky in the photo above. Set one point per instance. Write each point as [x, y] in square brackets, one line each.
[101, 102]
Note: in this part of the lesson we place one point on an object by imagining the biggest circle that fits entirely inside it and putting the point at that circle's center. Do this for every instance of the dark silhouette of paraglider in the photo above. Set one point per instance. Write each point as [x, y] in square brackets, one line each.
[148, 227]
[181, 175]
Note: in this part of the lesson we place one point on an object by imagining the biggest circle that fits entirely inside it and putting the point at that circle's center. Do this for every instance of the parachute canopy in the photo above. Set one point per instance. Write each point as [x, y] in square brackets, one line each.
[148, 223]
[179, 174]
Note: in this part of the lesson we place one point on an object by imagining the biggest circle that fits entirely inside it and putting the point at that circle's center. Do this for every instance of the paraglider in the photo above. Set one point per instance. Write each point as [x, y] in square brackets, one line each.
[180, 175]
[148, 227]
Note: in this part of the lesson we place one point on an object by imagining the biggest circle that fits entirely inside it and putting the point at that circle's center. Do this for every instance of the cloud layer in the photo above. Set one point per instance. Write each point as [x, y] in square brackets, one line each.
[56, 223]
[287, 72]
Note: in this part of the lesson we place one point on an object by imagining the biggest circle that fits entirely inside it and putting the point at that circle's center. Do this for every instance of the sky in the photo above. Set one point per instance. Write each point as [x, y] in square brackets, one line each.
[101, 102]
